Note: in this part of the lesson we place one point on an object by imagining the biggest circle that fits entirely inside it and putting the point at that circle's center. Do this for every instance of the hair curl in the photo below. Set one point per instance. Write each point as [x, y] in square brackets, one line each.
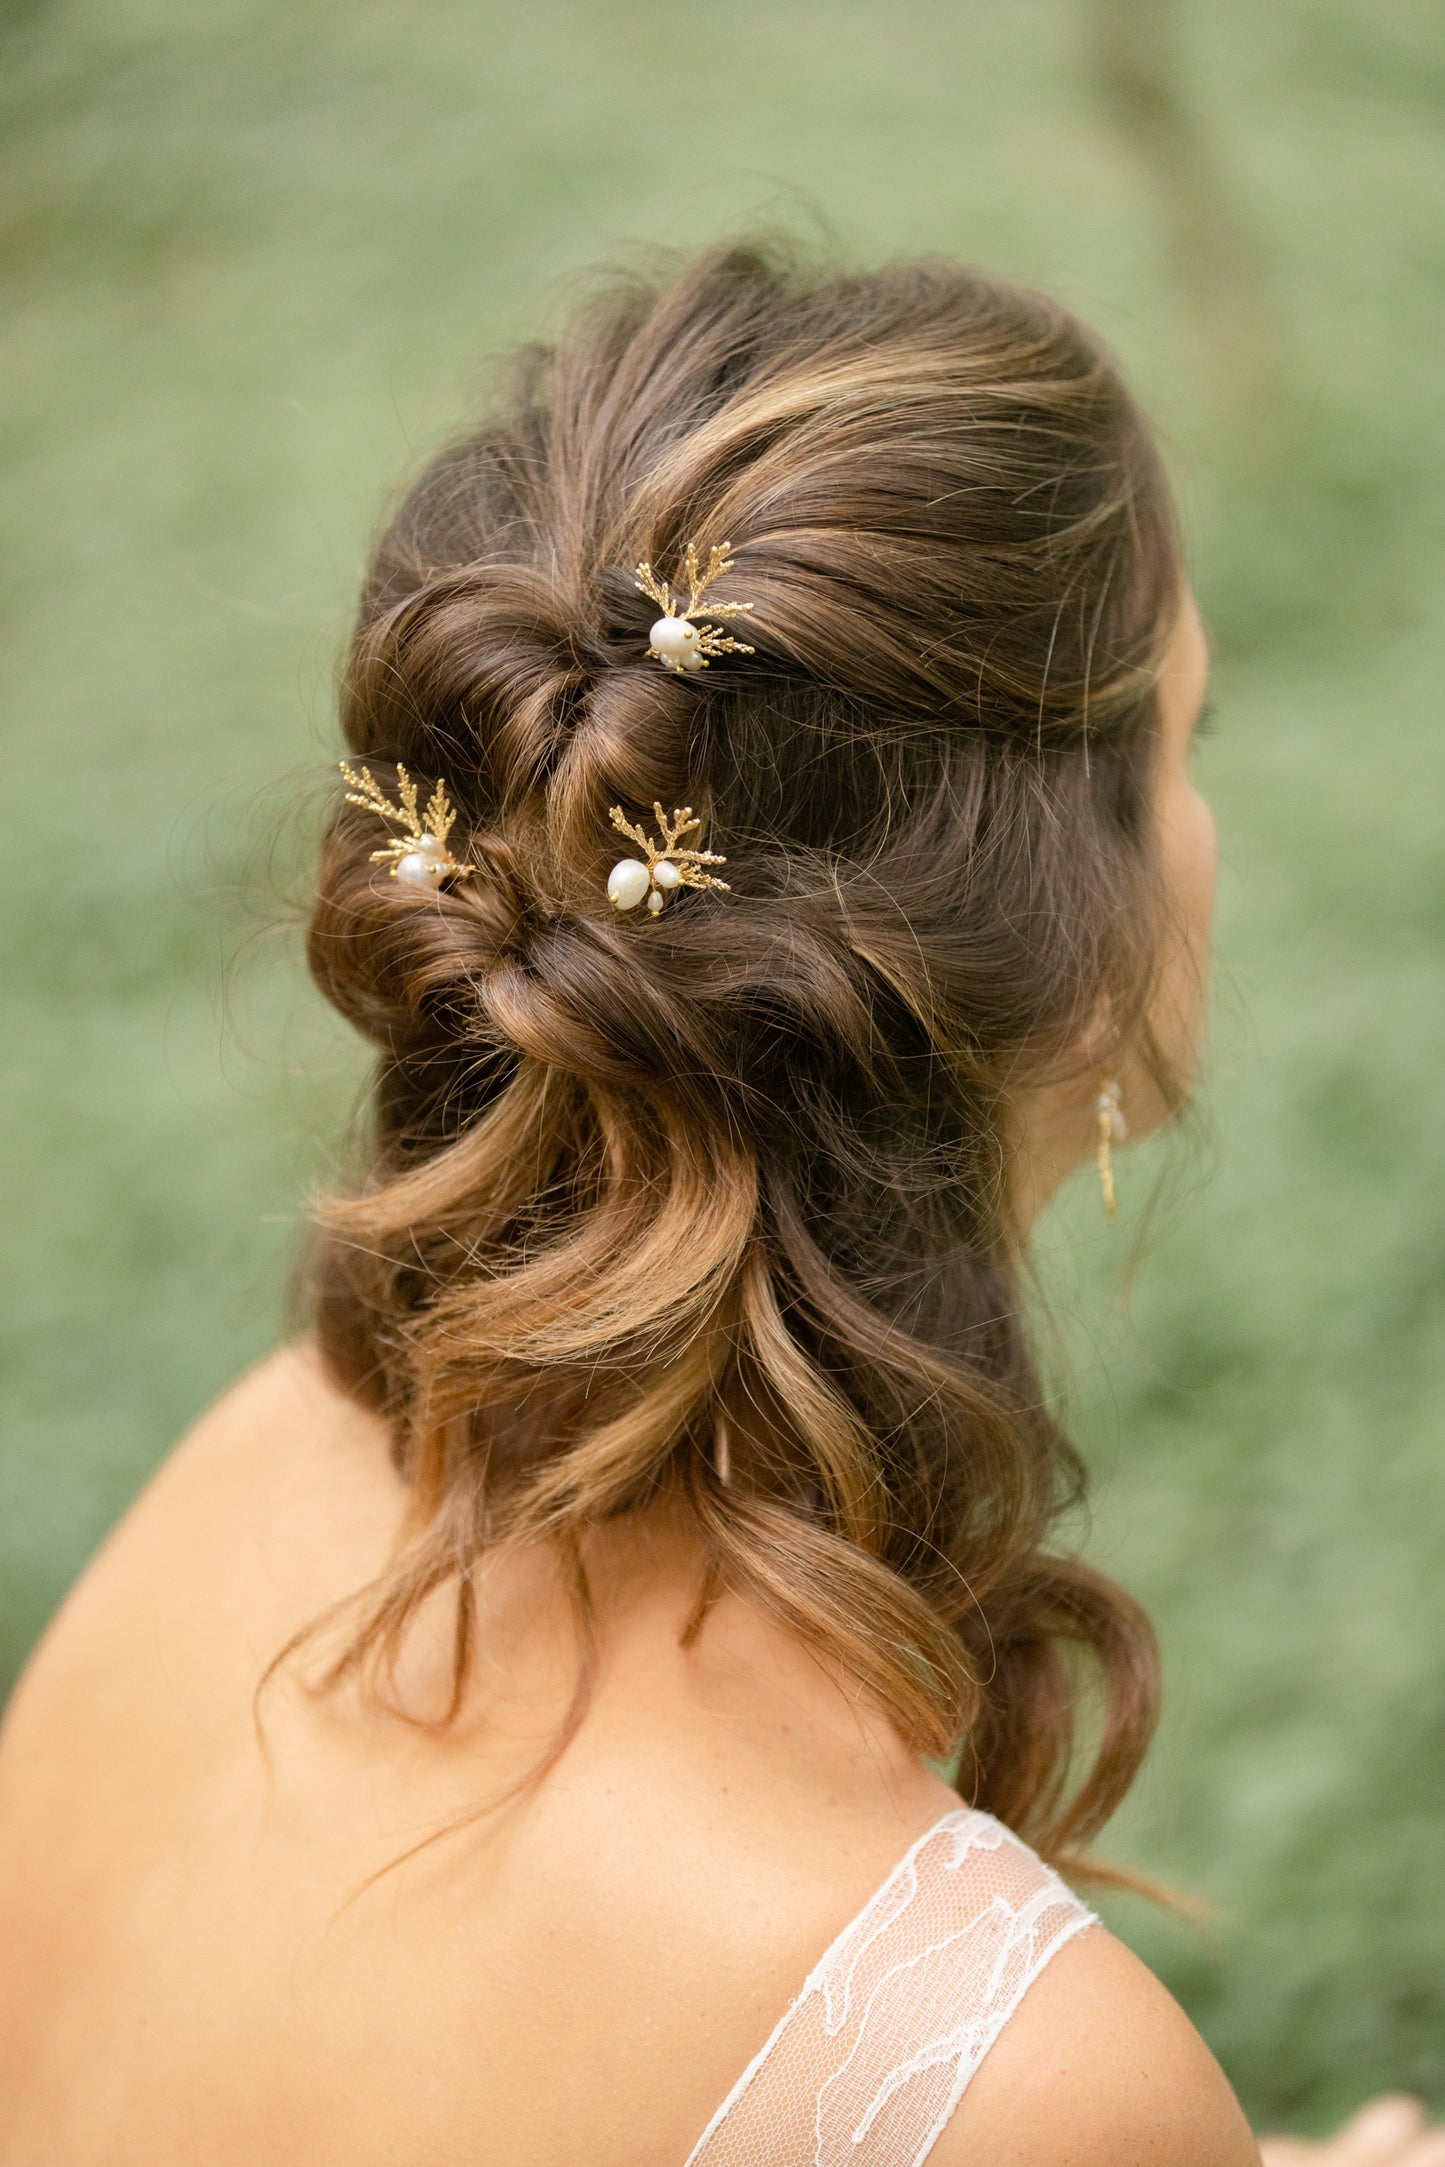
[715, 1207]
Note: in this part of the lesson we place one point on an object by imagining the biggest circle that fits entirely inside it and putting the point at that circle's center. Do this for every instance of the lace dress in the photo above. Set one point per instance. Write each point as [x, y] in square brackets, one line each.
[875, 2053]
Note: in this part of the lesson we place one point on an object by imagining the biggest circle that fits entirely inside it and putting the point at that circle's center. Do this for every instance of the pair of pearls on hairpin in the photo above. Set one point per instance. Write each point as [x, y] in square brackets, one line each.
[676, 641]
[419, 855]
[667, 865]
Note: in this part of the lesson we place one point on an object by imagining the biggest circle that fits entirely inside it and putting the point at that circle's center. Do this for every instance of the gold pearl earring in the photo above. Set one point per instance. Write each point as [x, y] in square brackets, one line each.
[1113, 1129]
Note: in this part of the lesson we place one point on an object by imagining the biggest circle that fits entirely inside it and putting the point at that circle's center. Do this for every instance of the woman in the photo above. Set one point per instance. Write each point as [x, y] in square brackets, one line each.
[477, 1734]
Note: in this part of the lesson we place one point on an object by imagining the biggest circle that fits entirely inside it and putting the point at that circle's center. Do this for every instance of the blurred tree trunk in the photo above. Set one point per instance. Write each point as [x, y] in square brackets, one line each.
[1137, 71]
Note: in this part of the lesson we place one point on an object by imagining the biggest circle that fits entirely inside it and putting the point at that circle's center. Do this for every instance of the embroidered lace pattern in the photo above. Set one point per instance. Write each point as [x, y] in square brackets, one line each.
[871, 2059]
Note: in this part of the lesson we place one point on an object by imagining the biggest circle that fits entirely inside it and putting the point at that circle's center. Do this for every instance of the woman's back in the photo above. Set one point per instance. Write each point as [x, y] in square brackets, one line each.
[198, 1971]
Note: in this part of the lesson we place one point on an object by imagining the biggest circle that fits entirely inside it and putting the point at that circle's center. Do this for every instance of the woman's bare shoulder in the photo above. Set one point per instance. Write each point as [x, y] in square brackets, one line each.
[1098, 2067]
[283, 1420]
[279, 1497]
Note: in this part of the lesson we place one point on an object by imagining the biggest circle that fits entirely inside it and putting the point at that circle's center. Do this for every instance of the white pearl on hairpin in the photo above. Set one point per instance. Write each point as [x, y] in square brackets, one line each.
[419, 855]
[424, 866]
[675, 642]
[628, 883]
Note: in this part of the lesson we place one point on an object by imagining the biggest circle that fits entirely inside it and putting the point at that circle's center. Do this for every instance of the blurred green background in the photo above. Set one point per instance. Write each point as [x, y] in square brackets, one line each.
[253, 258]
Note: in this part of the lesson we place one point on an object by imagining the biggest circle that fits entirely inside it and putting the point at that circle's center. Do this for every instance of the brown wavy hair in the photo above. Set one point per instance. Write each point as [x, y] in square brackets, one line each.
[717, 1207]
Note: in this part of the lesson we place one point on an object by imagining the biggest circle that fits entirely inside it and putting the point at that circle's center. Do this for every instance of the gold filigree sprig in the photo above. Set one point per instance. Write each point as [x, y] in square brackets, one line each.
[420, 855]
[676, 641]
[668, 866]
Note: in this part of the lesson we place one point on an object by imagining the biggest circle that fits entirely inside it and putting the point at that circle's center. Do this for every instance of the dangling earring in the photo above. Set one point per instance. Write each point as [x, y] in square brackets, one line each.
[1113, 1129]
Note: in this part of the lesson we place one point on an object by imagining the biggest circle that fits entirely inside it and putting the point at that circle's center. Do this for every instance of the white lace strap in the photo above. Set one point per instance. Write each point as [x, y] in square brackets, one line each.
[874, 2055]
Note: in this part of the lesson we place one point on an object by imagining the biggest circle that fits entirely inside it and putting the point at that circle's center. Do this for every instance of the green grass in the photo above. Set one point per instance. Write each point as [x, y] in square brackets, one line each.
[252, 260]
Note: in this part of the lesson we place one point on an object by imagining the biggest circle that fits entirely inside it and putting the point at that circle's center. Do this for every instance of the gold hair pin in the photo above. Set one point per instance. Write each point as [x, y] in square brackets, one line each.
[420, 855]
[667, 867]
[675, 640]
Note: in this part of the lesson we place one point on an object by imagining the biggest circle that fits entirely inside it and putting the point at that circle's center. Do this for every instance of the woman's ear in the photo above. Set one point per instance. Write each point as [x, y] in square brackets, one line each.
[1096, 1047]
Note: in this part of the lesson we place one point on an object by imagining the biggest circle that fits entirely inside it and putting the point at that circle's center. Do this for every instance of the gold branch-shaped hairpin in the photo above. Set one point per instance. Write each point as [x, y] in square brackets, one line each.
[675, 640]
[419, 856]
[668, 867]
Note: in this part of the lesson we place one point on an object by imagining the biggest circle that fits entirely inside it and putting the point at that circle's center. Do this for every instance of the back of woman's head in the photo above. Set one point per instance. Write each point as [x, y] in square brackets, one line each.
[715, 1206]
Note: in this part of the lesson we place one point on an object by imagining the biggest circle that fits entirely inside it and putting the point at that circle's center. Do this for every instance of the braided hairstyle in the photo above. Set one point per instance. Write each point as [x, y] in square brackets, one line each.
[716, 1206]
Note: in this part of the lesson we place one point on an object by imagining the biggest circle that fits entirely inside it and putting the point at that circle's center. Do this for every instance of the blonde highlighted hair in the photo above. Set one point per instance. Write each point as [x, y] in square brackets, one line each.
[715, 1208]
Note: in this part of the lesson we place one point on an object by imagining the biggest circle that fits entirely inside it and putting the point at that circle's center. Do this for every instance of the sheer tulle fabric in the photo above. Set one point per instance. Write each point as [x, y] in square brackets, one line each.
[874, 2055]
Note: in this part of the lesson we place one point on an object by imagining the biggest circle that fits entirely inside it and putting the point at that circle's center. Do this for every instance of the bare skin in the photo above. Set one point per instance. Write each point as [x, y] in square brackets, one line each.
[1389, 2132]
[198, 1966]
[580, 1975]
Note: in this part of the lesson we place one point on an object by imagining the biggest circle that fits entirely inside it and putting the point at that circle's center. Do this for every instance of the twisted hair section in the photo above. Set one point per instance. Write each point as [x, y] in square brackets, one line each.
[716, 1208]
